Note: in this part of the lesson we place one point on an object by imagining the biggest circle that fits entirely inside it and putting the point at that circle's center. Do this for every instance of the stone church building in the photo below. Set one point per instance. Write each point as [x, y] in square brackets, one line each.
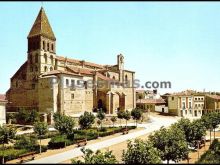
[50, 83]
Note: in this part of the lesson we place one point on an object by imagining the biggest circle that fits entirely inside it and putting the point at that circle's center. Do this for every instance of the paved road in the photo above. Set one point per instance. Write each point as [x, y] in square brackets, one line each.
[155, 124]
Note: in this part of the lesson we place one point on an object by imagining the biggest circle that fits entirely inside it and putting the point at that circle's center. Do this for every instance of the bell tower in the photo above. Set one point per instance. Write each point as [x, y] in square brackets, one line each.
[41, 46]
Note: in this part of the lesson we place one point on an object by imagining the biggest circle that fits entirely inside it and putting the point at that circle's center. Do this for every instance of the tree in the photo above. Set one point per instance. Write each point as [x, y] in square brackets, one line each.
[96, 158]
[214, 117]
[100, 116]
[185, 126]
[171, 143]
[113, 119]
[120, 115]
[33, 117]
[205, 119]
[22, 116]
[127, 116]
[86, 120]
[136, 114]
[40, 128]
[64, 124]
[198, 131]
[6, 135]
[141, 152]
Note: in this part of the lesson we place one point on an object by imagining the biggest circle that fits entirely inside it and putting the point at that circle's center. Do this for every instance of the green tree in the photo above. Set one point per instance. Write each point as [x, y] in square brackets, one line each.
[214, 117]
[33, 117]
[136, 114]
[120, 115]
[198, 131]
[6, 135]
[40, 128]
[86, 120]
[64, 124]
[141, 152]
[127, 116]
[113, 119]
[22, 116]
[96, 158]
[207, 123]
[171, 143]
[185, 125]
[100, 116]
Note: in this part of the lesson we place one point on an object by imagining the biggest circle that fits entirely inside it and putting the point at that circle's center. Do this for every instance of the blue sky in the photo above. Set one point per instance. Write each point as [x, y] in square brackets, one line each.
[161, 41]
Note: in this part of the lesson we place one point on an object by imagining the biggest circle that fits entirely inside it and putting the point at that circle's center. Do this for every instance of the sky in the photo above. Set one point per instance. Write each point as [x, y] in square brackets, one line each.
[161, 41]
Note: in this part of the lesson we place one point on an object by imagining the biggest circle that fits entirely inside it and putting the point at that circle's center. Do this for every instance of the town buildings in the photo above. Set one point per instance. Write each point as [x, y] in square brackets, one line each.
[51, 83]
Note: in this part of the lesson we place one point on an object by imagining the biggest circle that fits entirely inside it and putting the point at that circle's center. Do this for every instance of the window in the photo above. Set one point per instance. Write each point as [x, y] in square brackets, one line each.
[51, 68]
[51, 59]
[45, 69]
[72, 83]
[172, 98]
[85, 84]
[196, 98]
[198, 105]
[126, 78]
[52, 47]
[113, 77]
[48, 47]
[199, 98]
[190, 105]
[44, 45]
[67, 82]
[36, 58]
[45, 58]
[72, 95]
[183, 105]
[186, 112]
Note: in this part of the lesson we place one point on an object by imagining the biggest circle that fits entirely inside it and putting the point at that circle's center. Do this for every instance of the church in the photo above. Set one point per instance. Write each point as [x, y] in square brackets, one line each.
[50, 83]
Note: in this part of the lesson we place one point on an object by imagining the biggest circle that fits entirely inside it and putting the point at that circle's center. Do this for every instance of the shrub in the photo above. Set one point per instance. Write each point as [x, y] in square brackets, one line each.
[25, 142]
[11, 153]
[103, 129]
[59, 141]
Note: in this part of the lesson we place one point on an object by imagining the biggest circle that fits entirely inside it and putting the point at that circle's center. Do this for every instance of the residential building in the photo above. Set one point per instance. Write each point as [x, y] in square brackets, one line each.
[3, 102]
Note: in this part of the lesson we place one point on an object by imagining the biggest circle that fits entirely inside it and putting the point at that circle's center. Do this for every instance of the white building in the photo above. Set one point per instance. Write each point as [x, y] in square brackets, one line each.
[2, 109]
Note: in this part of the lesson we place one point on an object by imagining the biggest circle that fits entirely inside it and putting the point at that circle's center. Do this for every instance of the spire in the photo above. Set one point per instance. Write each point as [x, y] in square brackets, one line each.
[42, 26]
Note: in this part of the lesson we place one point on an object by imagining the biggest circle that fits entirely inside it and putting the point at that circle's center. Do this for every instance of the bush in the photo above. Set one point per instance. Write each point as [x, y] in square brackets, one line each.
[11, 153]
[59, 141]
[25, 142]
[103, 129]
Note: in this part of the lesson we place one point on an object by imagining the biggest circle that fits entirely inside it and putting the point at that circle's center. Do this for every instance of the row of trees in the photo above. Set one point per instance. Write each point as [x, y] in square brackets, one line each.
[166, 144]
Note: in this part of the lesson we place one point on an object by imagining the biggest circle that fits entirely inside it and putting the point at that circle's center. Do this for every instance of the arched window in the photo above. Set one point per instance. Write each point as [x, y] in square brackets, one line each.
[45, 58]
[36, 68]
[48, 47]
[44, 45]
[126, 78]
[51, 59]
[113, 77]
[36, 58]
[45, 69]
[51, 68]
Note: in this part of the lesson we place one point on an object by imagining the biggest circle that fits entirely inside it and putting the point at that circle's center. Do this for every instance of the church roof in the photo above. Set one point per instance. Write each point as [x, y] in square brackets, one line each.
[42, 26]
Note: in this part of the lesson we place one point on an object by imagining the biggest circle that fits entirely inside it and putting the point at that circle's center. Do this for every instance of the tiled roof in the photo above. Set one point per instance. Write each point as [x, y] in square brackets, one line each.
[101, 76]
[3, 98]
[54, 72]
[151, 101]
[42, 26]
[217, 97]
[80, 70]
[79, 62]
